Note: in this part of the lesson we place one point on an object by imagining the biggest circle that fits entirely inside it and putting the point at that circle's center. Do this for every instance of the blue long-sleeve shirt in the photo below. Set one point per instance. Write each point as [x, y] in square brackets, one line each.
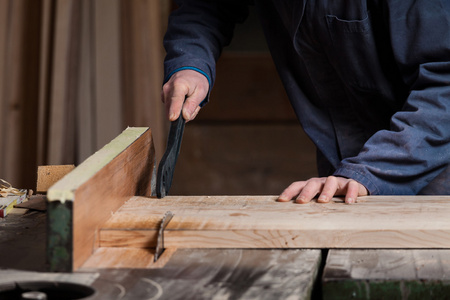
[369, 80]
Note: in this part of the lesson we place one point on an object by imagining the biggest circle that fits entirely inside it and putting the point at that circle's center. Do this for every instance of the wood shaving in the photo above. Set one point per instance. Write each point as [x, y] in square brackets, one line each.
[6, 189]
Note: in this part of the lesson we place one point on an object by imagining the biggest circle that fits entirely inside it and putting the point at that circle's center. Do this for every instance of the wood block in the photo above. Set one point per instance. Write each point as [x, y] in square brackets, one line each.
[49, 175]
[261, 222]
[85, 198]
[387, 274]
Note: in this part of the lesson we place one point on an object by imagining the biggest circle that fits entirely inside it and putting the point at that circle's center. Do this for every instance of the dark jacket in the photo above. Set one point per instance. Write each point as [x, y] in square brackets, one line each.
[369, 80]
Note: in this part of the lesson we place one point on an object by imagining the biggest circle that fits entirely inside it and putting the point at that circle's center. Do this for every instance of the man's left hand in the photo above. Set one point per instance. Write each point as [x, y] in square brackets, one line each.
[325, 187]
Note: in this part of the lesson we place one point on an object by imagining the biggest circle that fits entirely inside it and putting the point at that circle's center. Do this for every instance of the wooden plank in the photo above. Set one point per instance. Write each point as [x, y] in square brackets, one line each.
[242, 159]
[126, 257]
[387, 274]
[261, 222]
[86, 197]
[120, 258]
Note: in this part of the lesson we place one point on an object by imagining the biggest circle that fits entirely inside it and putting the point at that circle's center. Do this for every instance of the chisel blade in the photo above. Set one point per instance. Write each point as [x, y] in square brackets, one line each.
[160, 241]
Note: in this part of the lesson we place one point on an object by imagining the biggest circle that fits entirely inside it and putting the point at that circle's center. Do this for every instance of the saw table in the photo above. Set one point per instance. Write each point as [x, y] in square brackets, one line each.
[104, 224]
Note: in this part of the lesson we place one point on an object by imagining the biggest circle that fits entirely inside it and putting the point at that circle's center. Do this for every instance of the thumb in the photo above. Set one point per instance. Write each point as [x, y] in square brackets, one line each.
[191, 106]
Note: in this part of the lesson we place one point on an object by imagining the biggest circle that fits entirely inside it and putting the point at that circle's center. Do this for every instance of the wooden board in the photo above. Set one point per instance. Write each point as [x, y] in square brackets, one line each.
[85, 198]
[117, 258]
[261, 222]
[49, 175]
[387, 274]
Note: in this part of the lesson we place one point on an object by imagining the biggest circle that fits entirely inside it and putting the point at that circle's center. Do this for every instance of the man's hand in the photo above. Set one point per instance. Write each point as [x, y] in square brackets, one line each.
[326, 188]
[185, 84]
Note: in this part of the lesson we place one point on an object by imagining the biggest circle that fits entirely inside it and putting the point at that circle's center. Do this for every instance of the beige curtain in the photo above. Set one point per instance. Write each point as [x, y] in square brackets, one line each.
[73, 75]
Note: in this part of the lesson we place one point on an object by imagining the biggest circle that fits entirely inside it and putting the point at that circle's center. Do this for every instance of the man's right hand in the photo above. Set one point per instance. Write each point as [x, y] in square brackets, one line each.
[184, 91]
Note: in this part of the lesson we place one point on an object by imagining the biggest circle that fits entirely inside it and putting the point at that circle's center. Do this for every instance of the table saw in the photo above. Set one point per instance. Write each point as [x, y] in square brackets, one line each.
[103, 225]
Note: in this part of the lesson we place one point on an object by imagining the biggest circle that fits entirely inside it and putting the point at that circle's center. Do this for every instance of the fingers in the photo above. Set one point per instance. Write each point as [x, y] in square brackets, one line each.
[354, 190]
[310, 190]
[184, 92]
[329, 189]
[291, 191]
[303, 191]
[326, 188]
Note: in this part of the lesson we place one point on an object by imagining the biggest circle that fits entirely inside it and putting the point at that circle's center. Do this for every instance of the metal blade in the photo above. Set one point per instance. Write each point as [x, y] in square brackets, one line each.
[160, 242]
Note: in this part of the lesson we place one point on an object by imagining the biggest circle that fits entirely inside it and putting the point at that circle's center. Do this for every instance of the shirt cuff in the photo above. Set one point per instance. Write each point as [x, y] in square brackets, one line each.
[360, 177]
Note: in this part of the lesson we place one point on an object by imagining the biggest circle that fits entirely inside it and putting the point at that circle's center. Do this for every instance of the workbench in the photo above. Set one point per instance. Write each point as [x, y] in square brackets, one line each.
[30, 252]
[237, 273]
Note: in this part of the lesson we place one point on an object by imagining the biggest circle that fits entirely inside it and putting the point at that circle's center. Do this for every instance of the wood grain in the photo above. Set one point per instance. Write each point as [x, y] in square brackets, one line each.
[261, 222]
[101, 184]
[120, 258]
[49, 175]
